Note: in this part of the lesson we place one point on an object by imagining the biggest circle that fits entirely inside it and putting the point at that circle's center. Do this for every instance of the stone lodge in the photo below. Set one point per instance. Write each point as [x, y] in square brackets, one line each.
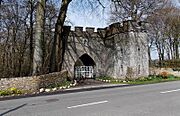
[119, 50]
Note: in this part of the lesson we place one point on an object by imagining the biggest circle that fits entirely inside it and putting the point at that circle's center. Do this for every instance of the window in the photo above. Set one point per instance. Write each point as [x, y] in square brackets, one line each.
[138, 49]
[85, 42]
[122, 52]
[122, 70]
[139, 53]
[139, 69]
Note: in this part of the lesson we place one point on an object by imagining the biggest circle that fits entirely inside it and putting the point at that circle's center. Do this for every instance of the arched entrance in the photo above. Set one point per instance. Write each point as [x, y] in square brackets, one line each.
[84, 67]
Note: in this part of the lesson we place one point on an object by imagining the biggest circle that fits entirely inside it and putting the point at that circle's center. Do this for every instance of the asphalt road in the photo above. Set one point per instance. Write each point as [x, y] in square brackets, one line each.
[144, 100]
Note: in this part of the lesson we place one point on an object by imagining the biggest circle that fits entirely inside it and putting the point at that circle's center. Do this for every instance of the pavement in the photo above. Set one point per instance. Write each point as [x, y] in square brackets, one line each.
[160, 99]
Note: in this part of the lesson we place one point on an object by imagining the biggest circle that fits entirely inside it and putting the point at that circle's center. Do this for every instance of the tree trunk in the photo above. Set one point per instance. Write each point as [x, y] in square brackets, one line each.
[176, 42]
[31, 38]
[39, 38]
[149, 54]
[13, 51]
[58, 47]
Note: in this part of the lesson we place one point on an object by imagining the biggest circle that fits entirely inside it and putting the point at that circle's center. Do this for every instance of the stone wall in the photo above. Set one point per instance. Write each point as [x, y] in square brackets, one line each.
[157, 71]
[33, 83]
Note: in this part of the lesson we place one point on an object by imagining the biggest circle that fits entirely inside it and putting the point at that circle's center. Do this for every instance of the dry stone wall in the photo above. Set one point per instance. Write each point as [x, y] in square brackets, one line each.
[33, 83]
[157, 71]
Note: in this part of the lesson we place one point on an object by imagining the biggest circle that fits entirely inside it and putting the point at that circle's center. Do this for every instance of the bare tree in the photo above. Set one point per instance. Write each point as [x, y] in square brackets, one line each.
[59, 42]
[31, 3]
[39, 38]
[164, 31]
[134, 9]
[173, 22]
[14, 37]
[24, 47]
[58, 46]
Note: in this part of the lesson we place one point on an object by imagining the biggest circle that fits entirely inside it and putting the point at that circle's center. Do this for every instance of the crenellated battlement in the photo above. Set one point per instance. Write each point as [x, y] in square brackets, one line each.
[115, 28]
[90, 30]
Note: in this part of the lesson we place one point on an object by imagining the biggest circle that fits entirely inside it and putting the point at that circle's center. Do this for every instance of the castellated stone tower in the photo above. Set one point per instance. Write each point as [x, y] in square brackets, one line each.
[119, 50]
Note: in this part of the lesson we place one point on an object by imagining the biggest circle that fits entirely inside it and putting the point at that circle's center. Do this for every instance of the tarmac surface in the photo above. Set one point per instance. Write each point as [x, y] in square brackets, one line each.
[160, 99]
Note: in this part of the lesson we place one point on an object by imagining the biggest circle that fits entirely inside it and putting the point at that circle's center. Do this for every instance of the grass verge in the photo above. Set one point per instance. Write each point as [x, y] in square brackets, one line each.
[142, 80]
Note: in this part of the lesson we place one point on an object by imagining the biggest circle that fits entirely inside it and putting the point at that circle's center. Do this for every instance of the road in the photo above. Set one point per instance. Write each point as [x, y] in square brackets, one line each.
[144, 100]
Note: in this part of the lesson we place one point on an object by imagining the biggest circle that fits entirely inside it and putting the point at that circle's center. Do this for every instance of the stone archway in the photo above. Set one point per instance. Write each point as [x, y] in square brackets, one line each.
[84, 67]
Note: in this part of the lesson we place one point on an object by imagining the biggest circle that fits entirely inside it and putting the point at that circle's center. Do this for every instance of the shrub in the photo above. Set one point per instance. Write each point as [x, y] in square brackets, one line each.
[170, 76]
[4, 93]
[164, 75]
[64, 83]
[13, 90]
[106, 78]
[10, 91]
[176, 69]
[141, 79]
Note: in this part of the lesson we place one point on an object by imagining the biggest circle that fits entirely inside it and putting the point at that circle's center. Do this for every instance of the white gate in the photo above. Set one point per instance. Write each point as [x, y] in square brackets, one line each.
[83, 72]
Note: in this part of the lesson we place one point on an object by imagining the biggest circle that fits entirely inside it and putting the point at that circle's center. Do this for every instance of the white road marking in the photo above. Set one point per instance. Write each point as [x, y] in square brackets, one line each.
[87, 104]
[175, 90]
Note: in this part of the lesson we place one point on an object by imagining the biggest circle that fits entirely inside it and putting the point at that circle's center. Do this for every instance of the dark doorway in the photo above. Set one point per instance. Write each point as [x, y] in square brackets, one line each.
[87, 60]
[84, 68]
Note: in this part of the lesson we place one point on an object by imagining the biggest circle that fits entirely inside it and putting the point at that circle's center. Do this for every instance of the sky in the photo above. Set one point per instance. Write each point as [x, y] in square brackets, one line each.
[89, 18]
[93, 19]
[98, 19]
[176, 3]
